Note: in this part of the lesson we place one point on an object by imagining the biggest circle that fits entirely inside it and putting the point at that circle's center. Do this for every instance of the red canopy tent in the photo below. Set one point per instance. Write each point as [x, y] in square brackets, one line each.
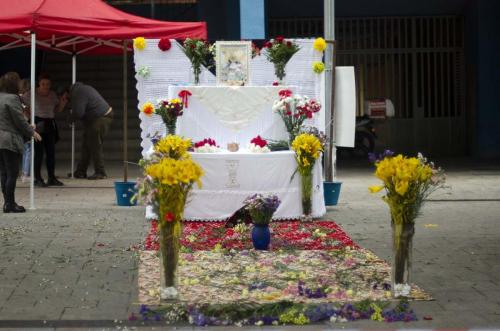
[81, 26]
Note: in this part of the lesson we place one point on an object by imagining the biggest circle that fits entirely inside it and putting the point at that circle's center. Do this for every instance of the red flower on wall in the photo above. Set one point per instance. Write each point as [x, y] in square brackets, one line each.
[164, 44]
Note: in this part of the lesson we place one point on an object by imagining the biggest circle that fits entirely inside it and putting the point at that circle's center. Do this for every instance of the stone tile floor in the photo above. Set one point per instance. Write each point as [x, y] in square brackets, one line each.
[69, 260]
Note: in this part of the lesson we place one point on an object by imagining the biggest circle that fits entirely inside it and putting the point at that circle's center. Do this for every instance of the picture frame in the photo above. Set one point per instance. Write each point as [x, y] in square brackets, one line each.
[233, 62]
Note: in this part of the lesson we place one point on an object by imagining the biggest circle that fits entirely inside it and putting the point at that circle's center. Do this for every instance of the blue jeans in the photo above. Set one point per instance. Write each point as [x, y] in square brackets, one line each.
[27, 159]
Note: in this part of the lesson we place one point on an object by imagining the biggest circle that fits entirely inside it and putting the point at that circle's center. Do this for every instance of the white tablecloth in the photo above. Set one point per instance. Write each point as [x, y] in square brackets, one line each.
[231, 177]
[230, 114]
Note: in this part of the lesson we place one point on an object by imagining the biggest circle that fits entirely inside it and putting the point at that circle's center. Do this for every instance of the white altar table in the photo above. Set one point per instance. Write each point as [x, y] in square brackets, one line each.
[230, 113]
[231, 177]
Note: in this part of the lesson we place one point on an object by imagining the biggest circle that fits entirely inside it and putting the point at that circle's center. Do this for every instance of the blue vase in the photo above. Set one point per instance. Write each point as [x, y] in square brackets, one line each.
[261, 237]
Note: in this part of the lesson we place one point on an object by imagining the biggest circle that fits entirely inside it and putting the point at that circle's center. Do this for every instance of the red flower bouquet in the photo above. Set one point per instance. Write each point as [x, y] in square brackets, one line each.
[279, 52]
[294, 110]
[258, 145]
[169, 110]
[207, 145]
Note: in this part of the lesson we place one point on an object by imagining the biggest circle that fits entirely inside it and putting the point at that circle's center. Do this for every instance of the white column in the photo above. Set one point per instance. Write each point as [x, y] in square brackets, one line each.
[33, 106]
[252, 19]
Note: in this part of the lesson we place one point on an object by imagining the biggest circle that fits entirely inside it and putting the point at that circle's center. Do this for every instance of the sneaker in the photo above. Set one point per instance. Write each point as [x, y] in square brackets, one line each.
[54, 182]
[97, 176]
[40, 183]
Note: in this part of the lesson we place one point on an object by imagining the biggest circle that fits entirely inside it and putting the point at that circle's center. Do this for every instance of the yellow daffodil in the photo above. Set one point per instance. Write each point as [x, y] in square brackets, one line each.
[319, 44]
[402, 187]
[172, 172]
[308, 148]
[139, 43]
[375, 188]
[174, 147]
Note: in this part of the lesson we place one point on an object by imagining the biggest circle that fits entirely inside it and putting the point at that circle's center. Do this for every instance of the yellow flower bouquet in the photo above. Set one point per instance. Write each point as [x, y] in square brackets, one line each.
[170, 174]
[307, 149]
[407, 182]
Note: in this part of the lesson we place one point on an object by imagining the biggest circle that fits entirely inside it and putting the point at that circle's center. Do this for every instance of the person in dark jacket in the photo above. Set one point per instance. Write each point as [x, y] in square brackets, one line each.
[14, 130]
[89, 106]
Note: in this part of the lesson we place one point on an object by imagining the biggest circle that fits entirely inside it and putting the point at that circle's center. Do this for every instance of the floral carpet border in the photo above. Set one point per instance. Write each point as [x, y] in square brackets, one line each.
[258, 277]
[317, 235]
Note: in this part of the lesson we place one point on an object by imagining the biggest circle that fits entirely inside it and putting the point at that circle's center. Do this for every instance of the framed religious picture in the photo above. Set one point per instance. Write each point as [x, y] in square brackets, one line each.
[233, 62]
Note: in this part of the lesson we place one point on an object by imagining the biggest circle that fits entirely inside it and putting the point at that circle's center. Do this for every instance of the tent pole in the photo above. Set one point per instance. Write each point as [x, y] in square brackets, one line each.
[125, 114]
[73, 81]
[329, 22]
[32, 119]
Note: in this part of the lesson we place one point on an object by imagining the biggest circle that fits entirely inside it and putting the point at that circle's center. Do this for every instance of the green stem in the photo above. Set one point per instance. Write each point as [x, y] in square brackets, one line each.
[171, 125]
[169, 245]
[403, 239]
[306, 178]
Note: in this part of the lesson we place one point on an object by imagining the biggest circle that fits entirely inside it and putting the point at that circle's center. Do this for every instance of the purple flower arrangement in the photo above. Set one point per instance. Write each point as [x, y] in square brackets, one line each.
[269, 314]
[374, 158]
[261, 208]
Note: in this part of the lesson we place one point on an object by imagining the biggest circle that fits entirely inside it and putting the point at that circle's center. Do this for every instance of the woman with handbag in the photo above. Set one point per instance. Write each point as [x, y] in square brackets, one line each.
[14, 130]
[46, 102]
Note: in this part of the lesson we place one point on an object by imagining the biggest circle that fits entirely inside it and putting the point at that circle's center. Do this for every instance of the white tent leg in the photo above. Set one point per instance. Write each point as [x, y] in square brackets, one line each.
[125, 113]
[32, 120]
[73, 80]
[329, 19]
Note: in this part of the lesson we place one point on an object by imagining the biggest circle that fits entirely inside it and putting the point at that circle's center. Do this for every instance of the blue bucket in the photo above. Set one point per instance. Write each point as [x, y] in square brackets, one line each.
[331, 191]
[124, 192]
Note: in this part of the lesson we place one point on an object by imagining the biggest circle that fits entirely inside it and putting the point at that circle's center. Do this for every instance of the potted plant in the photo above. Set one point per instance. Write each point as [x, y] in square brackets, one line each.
[261, 209]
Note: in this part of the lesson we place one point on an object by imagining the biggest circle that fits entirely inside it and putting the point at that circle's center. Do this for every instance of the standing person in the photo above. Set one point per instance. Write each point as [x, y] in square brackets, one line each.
[24, 87]
[46, 102]
[14, 130]
[96, 115]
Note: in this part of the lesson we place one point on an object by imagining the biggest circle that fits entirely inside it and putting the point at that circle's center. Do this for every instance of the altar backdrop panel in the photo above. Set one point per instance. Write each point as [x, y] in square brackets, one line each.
[174, 68]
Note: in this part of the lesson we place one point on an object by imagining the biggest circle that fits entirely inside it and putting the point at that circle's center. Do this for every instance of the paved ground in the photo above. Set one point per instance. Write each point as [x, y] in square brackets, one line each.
[69, 260]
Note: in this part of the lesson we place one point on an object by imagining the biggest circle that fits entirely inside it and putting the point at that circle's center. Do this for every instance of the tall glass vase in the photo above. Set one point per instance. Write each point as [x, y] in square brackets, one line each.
[402, 243]
[279, 71]
[196, 71]
[306, 185]
[169, 257]
[171, 126]
[171, 211]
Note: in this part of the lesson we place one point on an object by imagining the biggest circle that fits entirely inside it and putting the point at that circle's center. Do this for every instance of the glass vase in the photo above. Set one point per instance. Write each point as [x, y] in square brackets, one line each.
[279, 71]
[291, 138]
[306, 185]
[171, 127]
[196, 71]
[169, 257]
[402, 246]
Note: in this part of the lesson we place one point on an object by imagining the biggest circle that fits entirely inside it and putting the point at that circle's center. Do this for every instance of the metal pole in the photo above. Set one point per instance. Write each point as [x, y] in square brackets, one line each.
[73, 81]
[125, 113]
[152, 8]
[32, 120]
[329, 22]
